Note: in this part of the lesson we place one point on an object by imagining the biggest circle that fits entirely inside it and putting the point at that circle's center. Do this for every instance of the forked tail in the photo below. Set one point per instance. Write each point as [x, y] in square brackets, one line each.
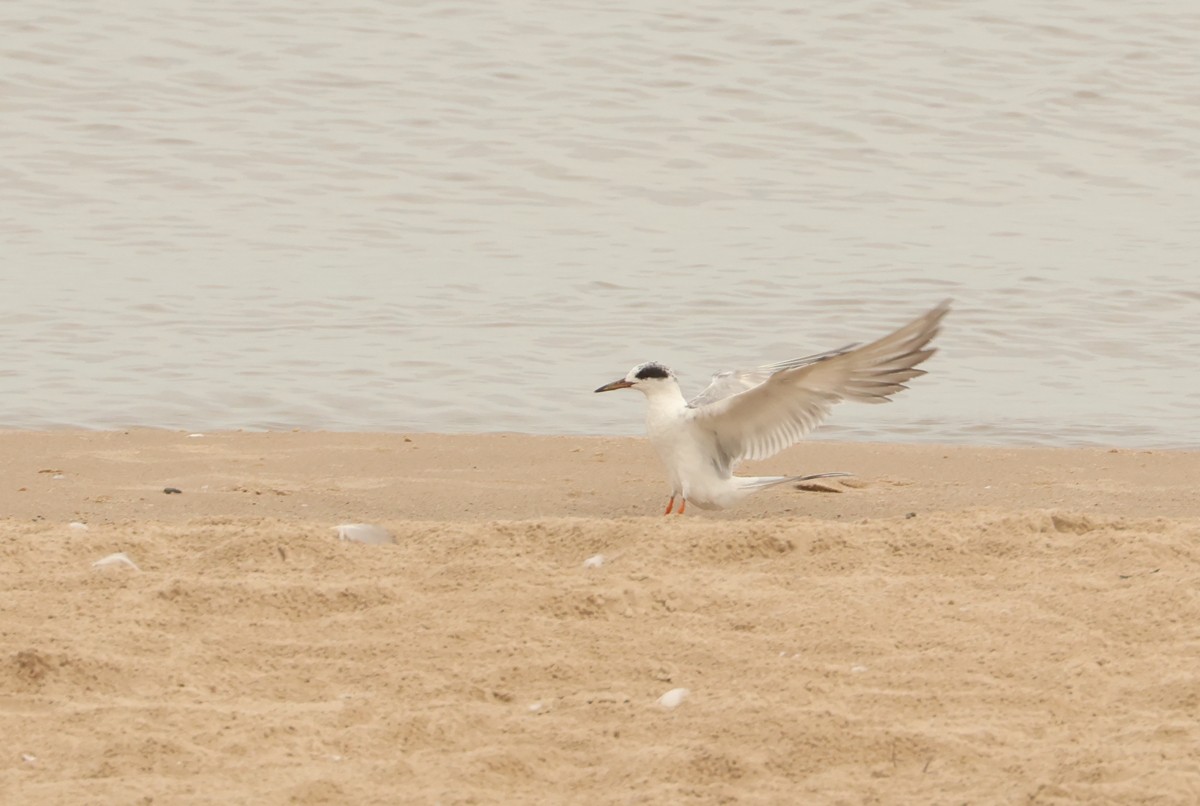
[755, 483]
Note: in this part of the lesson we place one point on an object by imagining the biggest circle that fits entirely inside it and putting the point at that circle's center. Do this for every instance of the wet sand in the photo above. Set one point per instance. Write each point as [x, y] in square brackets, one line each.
[951, 625]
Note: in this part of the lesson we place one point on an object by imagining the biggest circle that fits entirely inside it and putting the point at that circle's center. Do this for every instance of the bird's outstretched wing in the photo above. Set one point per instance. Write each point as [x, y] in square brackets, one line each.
[757, 413]
[729, 382]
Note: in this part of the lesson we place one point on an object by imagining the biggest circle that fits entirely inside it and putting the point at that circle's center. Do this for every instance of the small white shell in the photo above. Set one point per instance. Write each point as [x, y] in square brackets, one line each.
[673, 698]
[858, 669]
[118, 560]
[595, 561]
[365, 533]
[194, 436]
[77, 526]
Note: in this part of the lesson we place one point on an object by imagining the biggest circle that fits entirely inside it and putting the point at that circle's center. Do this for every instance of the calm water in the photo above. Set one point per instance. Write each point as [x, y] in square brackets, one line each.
[465, 216]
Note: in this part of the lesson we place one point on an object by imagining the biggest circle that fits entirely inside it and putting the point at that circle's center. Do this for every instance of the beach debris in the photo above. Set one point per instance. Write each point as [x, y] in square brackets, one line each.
[535, 707]
[29, 758]
[909, 515]
[50, 471]
[364, 533]
[858, 669]
[1138, 574]
[814, 487]
[595, 561]
[673, 698]
[254, 491]
[77, 526]
[172, 491]
[194, 436]
[119, 560]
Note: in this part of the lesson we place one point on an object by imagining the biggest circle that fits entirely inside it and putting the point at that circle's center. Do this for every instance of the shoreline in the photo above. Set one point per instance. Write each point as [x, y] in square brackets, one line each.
[314, 475]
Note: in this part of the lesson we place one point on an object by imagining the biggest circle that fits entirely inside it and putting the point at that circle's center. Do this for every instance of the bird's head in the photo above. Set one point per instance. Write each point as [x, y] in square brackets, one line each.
[646, 378]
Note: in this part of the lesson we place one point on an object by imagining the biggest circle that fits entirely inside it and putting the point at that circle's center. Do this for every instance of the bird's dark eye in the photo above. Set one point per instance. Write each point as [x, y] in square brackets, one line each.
[651, 371]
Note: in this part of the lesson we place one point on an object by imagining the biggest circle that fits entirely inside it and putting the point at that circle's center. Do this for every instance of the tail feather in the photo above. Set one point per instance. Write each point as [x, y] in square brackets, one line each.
[755, 483]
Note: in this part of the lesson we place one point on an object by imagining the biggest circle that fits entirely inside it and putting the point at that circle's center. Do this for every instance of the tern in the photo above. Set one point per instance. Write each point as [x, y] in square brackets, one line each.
[756, 413]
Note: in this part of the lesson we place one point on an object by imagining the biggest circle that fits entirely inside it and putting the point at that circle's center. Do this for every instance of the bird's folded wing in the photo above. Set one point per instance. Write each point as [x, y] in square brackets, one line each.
[764, 419]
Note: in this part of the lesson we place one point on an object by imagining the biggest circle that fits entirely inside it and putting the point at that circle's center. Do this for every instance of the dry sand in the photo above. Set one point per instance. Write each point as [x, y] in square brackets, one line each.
[1030, 633]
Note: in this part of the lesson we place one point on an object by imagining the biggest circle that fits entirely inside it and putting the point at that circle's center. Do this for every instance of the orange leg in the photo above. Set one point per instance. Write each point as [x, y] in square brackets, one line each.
[682, 507]
[670, 505]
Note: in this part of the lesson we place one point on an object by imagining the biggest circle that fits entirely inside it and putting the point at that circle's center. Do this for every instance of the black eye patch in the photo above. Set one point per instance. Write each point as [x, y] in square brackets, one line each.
[651, 371]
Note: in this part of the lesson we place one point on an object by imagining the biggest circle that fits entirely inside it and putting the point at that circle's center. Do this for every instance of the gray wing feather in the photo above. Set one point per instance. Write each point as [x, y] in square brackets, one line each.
[729, 382]
[756, 414]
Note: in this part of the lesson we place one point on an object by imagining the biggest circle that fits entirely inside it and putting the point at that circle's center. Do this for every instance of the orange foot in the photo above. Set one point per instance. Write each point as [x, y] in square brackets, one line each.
[682, 507]
[670, 505]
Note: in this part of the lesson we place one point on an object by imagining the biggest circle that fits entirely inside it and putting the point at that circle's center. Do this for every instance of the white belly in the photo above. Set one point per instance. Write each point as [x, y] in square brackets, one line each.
[690, 467]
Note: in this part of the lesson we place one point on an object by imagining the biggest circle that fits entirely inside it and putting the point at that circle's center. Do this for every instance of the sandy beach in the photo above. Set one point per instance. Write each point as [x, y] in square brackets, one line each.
[951, 625]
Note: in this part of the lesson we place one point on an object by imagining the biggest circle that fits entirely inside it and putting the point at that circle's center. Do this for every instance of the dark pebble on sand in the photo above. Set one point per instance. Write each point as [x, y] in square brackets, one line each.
[169, 490]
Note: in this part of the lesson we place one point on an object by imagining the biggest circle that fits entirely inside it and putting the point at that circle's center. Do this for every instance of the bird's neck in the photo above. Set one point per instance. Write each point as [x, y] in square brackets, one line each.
[664, 401]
